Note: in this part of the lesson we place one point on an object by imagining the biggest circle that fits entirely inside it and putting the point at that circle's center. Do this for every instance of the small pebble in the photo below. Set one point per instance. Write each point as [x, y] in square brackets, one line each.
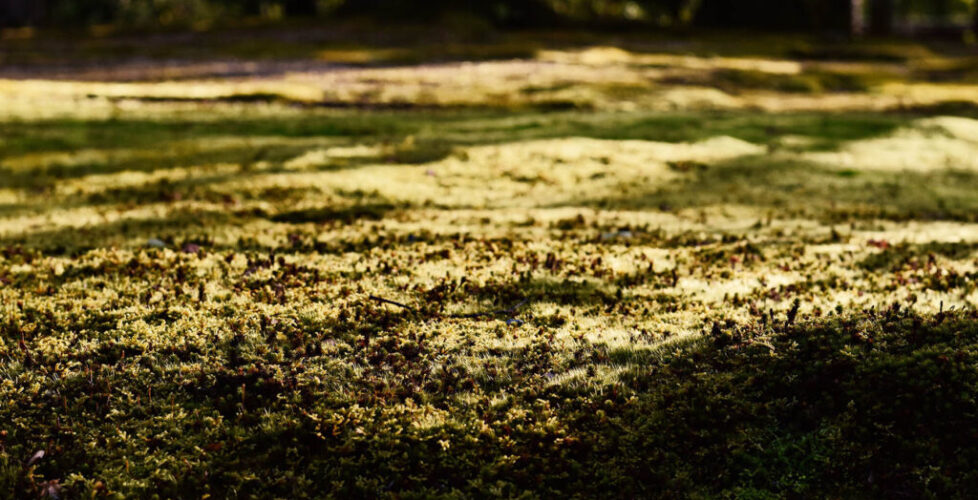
[156, 243]
[616, 234]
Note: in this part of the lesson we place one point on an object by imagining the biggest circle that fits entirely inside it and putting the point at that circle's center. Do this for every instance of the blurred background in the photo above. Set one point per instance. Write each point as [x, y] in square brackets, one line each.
[948, 18]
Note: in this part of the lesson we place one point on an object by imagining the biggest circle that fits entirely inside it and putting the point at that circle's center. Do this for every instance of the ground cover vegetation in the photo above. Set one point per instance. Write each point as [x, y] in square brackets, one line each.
[645, 268]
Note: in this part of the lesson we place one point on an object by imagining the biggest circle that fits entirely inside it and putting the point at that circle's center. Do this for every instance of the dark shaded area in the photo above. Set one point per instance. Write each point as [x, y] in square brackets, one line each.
[75, 134]
[861, 404]
[526, 290]
[511, 13]
[346, 215]
[915, 256]
[881, 16]
[787, 15]
[954, 108]
[830, 16]
[809, 82]
[43, 179]
[875, 404]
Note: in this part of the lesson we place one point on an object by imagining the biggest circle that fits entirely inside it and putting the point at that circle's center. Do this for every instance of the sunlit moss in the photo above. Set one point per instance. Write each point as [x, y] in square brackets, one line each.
[577, 264]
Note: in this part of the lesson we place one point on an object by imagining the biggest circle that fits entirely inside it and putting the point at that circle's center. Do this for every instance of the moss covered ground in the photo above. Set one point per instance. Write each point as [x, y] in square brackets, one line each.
[633, 267]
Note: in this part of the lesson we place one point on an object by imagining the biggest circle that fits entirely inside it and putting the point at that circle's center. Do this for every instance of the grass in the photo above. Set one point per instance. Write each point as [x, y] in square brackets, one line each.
[607, 270]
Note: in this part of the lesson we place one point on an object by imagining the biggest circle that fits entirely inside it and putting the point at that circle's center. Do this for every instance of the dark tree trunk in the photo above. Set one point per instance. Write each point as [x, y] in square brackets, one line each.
[502, 12]
[21, 12]
[300, 8]
[781, 15]
[857, 18]
[392, 8]
[881, 17]
[834, 16]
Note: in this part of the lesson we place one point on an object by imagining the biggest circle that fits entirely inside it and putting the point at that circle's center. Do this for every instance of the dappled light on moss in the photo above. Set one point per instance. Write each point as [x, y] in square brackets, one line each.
[500, 267]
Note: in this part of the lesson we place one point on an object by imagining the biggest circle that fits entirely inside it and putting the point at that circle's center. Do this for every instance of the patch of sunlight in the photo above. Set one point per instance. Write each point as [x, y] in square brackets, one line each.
[928, 145]
[100, 183]
[955, 126]
[692, 97]
[924, 232]
[601, 377]
[162, 90]
[9, 196]
[361, 56]
[36, 107]
[597, 377]
[604, 56]
[797, 142]
[745, 282]
[323, 157]
[592, 56]
[609, 152]
[531, 173]
[930, 93]
[573, 376]
[428, 417]
[612, 337]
